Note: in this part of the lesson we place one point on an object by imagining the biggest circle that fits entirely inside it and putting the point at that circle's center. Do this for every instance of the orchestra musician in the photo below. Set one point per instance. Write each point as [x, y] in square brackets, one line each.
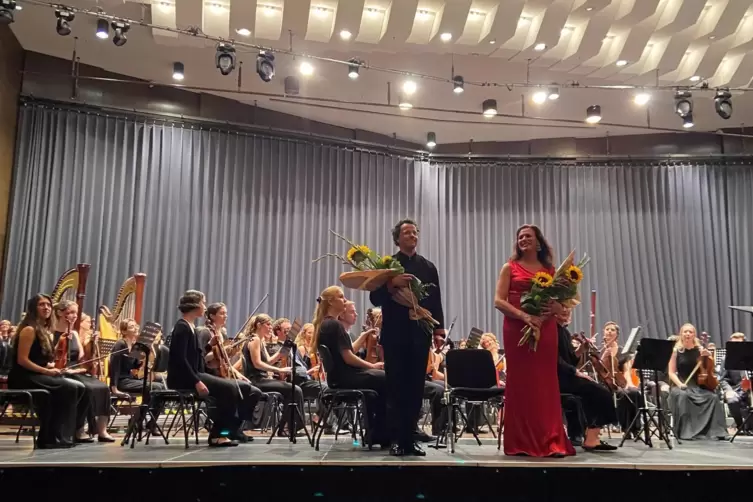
[96, 392]
[697, 411]
[6, 359]
[596, 399]
[187, 371]
[332, 317]
[161, 354]
[404, 342]
[306, 373]
[737, 393]
[214, 327]
[629, 399]
[34, 368]
[125, 364]
[257, 364]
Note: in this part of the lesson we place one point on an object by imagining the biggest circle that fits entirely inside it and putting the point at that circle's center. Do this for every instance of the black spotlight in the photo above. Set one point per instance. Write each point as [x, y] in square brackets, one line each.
[265, 66]
[723, 103]
[7, 11]
[65, 18]
[120, 28]
[457, 84]
[224, 59]
[683, 103]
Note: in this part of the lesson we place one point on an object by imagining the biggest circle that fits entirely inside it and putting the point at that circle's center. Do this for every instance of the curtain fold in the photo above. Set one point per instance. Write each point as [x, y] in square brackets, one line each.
[238, 216]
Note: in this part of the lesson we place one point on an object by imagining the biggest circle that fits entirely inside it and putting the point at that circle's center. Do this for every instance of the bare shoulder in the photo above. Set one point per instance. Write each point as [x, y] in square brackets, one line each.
[505, 270]
[27, 332]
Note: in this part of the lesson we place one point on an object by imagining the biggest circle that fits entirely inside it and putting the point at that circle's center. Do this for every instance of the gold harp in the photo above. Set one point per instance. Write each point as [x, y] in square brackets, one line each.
[128, 305]
[72, 286]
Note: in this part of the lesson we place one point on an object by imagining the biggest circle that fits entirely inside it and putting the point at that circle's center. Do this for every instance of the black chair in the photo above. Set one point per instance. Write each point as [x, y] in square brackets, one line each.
[342, 400]
[24, 398]
[181, 400]
[472, 378]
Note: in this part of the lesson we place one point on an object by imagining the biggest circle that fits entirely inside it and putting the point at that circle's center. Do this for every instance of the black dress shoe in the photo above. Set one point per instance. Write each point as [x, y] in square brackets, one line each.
[602, 446]
[415, 450]
[396, 451]
[85, 440]
[422, 437]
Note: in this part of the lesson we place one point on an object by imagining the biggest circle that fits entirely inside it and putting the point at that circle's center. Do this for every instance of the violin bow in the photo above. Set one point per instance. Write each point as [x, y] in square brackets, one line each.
[95, 359]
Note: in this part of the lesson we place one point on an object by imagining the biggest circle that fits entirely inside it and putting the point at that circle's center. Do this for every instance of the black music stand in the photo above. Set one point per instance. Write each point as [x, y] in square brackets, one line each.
[144, 415]
[740, 358]
[652, 354]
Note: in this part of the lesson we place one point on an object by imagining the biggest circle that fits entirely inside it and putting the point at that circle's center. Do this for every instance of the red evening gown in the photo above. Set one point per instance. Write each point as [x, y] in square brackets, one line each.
[533, 411]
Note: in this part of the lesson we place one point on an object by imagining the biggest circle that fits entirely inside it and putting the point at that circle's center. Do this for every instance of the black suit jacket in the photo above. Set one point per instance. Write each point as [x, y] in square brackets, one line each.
[186, 357]
[566, 360]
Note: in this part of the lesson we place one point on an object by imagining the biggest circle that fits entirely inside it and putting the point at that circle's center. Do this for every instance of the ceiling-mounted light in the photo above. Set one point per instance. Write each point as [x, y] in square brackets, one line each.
[403, 102]
[65, 18]
[353, 68]
[539, 97]
[224, 58]
[103, 29]
[431, 140]
[539, 47]
[178, 71]
[306, 69]
[683, 103]
[345, 34]
[641, 98]
[458, 84]
[621, 62]
[244, 32]
[687, 121]
[409, 87]
[265, 66]
[593, 114]
[445, 37]
[7, 11]
[489, 108]
[723, 103]
[695, 78]
[120, 28]
[554, 93]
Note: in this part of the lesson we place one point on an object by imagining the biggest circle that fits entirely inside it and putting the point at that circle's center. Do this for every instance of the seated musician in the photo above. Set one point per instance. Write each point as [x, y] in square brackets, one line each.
[697, 411]
[306, 373]
[352, 372]
[258, 364]
[34, 368]
[186, 371]
[629, 399]
[214, 326]
[6, 359]
[161, 354]
[735, 396]
[97, 393]
[598, 406]
[280, 329]
[125, 364]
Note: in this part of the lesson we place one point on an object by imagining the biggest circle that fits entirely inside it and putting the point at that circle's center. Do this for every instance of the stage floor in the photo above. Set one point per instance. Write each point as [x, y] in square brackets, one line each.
[690, 455]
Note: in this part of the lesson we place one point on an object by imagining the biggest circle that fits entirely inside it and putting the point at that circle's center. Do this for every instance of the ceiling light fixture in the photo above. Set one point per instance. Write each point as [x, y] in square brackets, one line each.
[345, 35]
[306, 69]
[641, 98]
[687, 121]
[723, 103]
[244, 32]
[321, 12]
[403, 102]
[539, 47]
[409, 87]
[178, 71]
[539, 97]
[103, 29]
[683, 103]
[431, 140]
[493, 41]
[217, 8]
[458, 84]
[445, 37]
[65, 18]
[589, 9]
[224, 58]
[593, 114]
[265, 66]
[695, 78]
[353, 68]
[7, 11]
[489, 108]
[120, 28]
[270, 10]
[372, 12]
[423, 15]
[621, 62]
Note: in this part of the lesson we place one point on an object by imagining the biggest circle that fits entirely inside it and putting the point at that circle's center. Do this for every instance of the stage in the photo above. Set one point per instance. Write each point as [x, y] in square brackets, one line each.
[341, 470]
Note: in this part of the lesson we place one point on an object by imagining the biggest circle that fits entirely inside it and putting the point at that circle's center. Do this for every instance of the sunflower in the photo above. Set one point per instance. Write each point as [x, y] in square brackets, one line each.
[543, 279]
[387, 260]
[574, 274]
[357, 254]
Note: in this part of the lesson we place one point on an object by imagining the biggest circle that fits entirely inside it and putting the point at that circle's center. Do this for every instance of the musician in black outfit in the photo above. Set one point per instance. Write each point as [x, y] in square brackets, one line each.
[736, 398]
[125, 363]
[596, 399]
[186, 371]
[405, 344]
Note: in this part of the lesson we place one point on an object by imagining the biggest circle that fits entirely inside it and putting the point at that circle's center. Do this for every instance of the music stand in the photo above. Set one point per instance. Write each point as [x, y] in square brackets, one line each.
[144, 415]
[652, 354]
[632, 342]
[740, 358]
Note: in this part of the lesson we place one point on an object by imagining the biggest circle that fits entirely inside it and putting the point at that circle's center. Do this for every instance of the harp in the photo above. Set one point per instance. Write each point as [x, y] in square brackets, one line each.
[72, 286]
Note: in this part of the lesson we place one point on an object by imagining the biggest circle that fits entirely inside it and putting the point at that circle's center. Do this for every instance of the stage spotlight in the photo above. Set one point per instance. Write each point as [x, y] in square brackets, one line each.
[224, 58]
[687, 121]
[683, 103]
[178, 71]
[306, 69]
[723, 103]
[458, 84]
[431, 140]
[489, 107]
[353, 68]
[7, 11]
[539, 97]
[65, 18]
[120, 28]
[103, 29]
[593, 114]
[403, 101]
[554, 93]
[641, 98]
[265, 66]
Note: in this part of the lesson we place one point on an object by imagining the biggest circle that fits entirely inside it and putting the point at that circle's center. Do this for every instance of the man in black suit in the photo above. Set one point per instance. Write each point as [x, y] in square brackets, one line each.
[406, 346]
[186, 371]
[736, 398]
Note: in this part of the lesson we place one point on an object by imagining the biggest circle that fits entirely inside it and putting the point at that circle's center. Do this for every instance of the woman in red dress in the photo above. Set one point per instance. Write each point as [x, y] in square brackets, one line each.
[533, 411]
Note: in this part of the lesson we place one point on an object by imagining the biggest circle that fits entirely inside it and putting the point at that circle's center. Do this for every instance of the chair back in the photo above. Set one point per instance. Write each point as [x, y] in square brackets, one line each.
[325, 356]
[471, 368]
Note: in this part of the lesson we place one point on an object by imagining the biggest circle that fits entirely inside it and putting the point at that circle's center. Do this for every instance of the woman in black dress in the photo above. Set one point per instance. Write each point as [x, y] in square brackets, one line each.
[697, 412]
[33, 368]
[257, 364]
[124, 364]
[96, 391]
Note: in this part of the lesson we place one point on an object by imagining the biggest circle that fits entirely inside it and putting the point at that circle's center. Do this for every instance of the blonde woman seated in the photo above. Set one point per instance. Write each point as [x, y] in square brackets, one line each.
[697, 412]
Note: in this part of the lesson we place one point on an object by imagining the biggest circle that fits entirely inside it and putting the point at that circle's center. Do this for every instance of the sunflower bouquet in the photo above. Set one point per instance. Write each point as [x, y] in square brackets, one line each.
[372, 271]
[562, 287]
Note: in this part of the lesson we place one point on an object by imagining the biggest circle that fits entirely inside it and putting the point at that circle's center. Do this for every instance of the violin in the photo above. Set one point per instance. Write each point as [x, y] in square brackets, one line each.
[63, 349]
[94, 353]
[374, 352]
[589, 351]
[316, 375]
[706, 375]
[224, 368]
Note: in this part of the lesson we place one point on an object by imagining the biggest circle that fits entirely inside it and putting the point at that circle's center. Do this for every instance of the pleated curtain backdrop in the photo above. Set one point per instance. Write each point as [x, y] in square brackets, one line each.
[238, 216]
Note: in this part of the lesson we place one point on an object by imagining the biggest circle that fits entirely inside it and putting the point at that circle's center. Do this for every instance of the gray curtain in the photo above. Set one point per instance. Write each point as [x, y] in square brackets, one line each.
[237, 216]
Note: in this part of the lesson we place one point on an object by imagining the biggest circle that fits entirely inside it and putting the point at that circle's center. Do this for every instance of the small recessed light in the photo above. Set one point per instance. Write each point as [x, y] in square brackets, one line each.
[642, 98]
[409, 87]
[539, 97]
[712, 37]
[493, 41]
[345, 35]
[539, 47]
[306, 68]
[446, 37]
[589, 9]
[244, 32]
[270, 11]
[695, 78]
[621, 62]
